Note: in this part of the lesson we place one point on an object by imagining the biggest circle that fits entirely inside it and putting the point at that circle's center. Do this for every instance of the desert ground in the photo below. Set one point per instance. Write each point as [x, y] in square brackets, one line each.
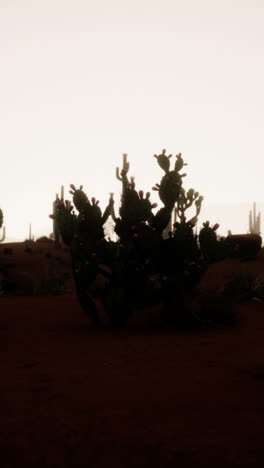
[73, 395]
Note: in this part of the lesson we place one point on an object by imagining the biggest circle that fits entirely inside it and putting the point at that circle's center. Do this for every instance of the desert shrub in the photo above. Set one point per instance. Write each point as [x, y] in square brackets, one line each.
[45, 239]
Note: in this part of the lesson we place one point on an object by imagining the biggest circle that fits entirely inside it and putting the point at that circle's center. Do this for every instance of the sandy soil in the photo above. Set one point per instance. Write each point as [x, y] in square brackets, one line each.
[76, 396]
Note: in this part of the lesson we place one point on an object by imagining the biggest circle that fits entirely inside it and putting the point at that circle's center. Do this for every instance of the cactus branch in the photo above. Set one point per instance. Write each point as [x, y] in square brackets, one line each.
[122, 175]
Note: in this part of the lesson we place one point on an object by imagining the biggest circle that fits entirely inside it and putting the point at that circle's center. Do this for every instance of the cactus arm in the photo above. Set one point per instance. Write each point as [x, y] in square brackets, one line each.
[118, 175]
[198, 205]
[186, 201]
[109, 209]
[112, 213]
[163, 160]
[122, 175]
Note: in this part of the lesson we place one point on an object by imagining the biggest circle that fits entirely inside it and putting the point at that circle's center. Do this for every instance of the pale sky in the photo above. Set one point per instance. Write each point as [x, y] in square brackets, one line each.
[82, 82]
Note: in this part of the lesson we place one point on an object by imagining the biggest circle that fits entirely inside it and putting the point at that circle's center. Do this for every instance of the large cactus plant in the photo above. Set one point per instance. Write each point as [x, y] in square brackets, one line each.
[140, 253]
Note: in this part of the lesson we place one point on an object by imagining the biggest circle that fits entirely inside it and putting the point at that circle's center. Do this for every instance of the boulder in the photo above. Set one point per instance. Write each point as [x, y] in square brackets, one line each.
[244, 246]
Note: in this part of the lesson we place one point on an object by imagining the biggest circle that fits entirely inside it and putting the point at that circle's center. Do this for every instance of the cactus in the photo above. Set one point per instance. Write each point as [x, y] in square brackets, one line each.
[185, 201]
[185, 240]
[83, 232]
[145, 250]
[170, 186]
[135, 207]
[87, 226]
[122, 175]
[141, 253]
[212, 248]
[254, 221]
[170, 190]
[56, 232]
[1, 225]
[30, 237]
[64, 220]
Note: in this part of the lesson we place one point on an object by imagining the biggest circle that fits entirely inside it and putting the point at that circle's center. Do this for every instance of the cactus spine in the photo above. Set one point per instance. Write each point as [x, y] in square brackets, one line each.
[254, 221]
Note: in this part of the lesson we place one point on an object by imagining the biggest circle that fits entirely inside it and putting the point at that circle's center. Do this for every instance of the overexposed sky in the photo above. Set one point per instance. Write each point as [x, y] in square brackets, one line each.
[82, 82]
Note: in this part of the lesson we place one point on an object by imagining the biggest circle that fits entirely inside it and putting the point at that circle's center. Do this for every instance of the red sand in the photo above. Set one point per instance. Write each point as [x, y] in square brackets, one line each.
[76, 396]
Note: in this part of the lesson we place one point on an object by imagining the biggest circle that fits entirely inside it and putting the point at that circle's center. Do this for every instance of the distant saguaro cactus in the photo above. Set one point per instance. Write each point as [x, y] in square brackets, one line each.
[254, 221]
[30, 237]
[1, 224]
[56, 231]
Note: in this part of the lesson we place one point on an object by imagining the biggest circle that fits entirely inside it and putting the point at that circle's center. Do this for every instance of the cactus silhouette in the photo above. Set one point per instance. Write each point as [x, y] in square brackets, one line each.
[87, 225]
[185, 201]
[170, 186]
[1, 224]
[212, 248]
[140, 253]
[254, 221]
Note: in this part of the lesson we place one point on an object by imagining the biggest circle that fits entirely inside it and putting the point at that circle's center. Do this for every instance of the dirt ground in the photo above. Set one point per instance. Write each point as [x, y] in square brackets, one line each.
[76, 396]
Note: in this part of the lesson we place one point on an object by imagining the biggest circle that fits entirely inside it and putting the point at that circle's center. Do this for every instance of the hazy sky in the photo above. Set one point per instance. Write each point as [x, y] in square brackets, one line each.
[82, 82]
